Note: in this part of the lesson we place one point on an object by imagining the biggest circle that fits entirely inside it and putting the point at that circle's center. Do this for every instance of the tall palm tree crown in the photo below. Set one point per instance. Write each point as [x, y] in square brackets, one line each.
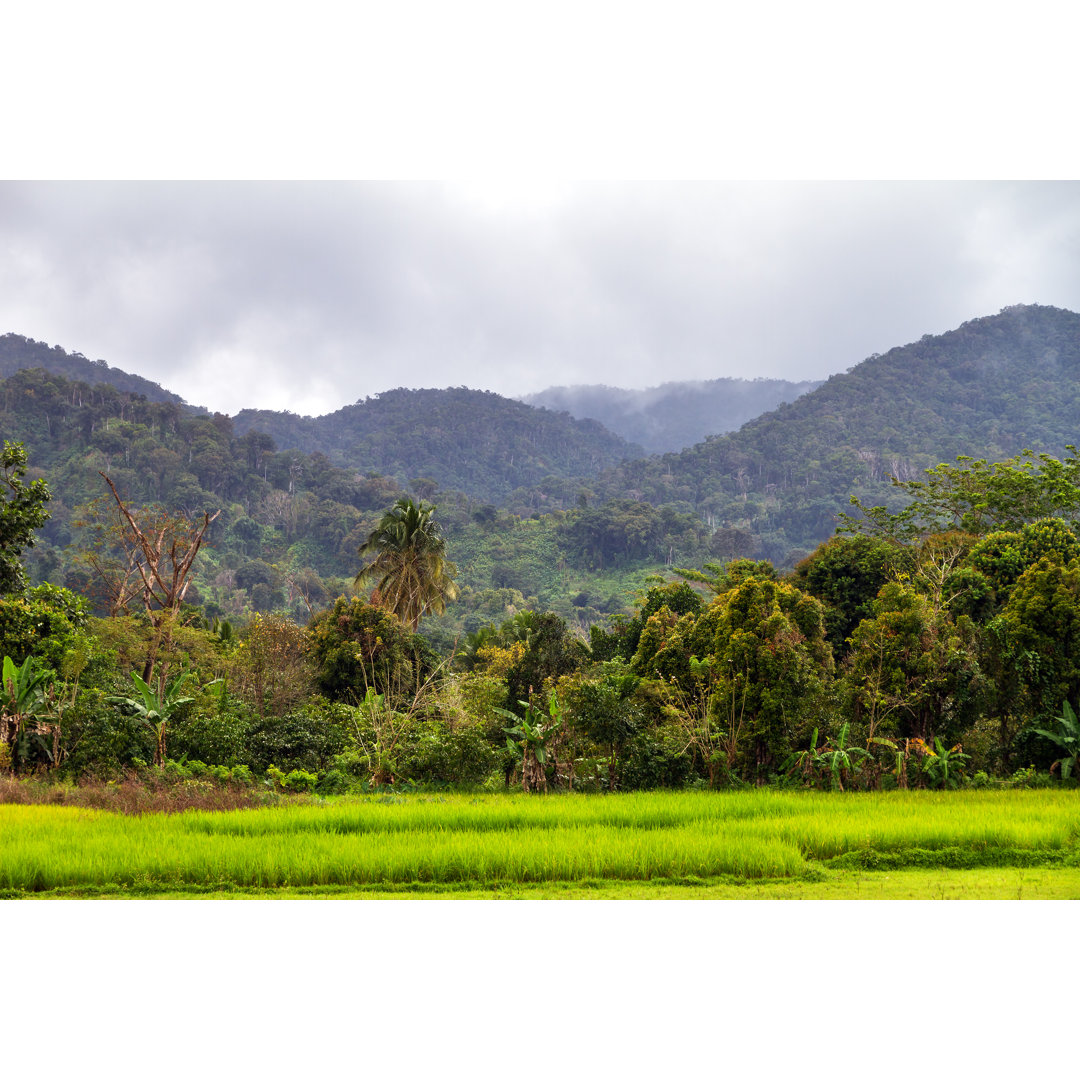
[408, 563]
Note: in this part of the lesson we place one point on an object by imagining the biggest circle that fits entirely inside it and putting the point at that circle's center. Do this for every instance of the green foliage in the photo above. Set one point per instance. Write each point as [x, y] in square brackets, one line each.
[22, 511]
[550, 651]
[295, 781]
[305, 741]
[156, 707]
[408, 563]
[840, 759]
[1038, 634]
[100, 740]
[944, 768]
[25, 704]
[469, 440]
[977, 497]
[1066, 736]
[845, 574]
[443, 753]
[912, 671]
[357, 646]
[216, 736]
[530, 736]
[677, 597]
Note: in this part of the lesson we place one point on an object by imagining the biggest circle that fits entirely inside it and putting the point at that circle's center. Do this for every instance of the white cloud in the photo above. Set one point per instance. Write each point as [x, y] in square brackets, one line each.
[308, 296]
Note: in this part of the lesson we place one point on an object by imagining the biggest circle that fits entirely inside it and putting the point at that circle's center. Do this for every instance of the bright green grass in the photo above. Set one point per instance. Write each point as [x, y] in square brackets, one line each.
[456, 843]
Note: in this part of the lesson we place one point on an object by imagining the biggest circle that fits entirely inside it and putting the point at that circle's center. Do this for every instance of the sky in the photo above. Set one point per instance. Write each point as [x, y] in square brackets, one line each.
[295, 214]
[308, 296]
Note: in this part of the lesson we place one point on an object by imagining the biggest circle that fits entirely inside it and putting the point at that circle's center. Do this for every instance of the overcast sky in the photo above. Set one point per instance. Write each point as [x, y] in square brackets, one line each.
[560, 250]
[309, 296]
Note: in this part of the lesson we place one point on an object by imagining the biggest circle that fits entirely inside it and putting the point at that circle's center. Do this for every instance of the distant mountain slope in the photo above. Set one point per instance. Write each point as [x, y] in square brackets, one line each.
[469, 440]
[990, 388]
[673, 415]
[18, 353]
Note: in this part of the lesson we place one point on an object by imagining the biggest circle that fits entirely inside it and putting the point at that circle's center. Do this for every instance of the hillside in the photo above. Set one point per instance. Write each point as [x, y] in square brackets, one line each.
[989, 389]
[291, 523]
[471, 441]
[18, 353]
[674, 415]
[522, 532]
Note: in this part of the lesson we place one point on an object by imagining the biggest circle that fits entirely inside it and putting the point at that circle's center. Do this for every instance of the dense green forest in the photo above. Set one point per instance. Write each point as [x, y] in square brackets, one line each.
[988, 389]
[174, 590]
[471, 441]
[673, 415]
[290, 522]
[18, 352]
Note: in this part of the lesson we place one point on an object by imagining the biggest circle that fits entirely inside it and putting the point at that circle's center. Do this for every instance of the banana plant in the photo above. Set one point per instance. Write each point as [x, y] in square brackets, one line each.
[1067, 738]
[876, 768]
[529, 736]
[805, 762]
[24, 704]
[944, 766]
[155, 708]
[842, 759]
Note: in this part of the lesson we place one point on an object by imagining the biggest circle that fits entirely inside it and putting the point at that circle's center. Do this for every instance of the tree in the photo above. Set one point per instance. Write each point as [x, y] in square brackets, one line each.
[751, 669]
[22, 510]
[408, 563]
[160, 552]
[977, 497]
[357, 646]
[24, 704]
[1039, 630]
[845, 574]
[912, 671]
[155, 708]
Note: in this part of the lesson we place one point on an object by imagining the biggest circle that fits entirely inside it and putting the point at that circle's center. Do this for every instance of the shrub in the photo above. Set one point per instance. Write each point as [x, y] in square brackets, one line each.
[218, 739]
[441, 754]
[297, 780]
[294, 741]
[356, 645]
[99, 739]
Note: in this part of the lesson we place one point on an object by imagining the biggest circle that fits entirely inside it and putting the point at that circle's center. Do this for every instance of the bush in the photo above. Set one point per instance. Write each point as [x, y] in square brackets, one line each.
[297, 780]
[334, 782]
[652, 763]
[42, 622]
[441, 754]
[295, 741]
[218, 739]
[99, 739]
[356, 645]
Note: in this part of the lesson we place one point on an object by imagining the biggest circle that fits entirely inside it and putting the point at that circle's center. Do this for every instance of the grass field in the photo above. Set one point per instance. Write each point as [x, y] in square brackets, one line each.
[754, 844]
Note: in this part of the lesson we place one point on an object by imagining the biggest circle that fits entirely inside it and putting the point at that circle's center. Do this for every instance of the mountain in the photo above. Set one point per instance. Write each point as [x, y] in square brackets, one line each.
[989, 389]
[472, 441]
[673, 415]
[295, 513]
[18, 353]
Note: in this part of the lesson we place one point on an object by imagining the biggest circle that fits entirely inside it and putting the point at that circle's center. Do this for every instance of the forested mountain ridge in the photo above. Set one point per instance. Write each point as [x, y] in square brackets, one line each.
[17, 353]
[989, 389]
[292, 520]
[472, 441]
[290, 524]
[673, 415]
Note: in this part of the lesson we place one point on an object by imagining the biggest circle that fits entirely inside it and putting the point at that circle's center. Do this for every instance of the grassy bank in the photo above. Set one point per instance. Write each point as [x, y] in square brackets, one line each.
[763, 842]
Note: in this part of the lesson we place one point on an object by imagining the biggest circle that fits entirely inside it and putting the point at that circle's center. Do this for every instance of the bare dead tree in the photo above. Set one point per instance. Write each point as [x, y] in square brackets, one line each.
[160, 554]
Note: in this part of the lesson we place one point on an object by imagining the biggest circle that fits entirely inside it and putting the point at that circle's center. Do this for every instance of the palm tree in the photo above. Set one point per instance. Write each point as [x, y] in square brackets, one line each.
[408, 565]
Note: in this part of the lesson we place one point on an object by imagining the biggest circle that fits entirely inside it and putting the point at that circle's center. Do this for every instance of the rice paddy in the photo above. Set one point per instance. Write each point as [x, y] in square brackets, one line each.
[433, 843]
